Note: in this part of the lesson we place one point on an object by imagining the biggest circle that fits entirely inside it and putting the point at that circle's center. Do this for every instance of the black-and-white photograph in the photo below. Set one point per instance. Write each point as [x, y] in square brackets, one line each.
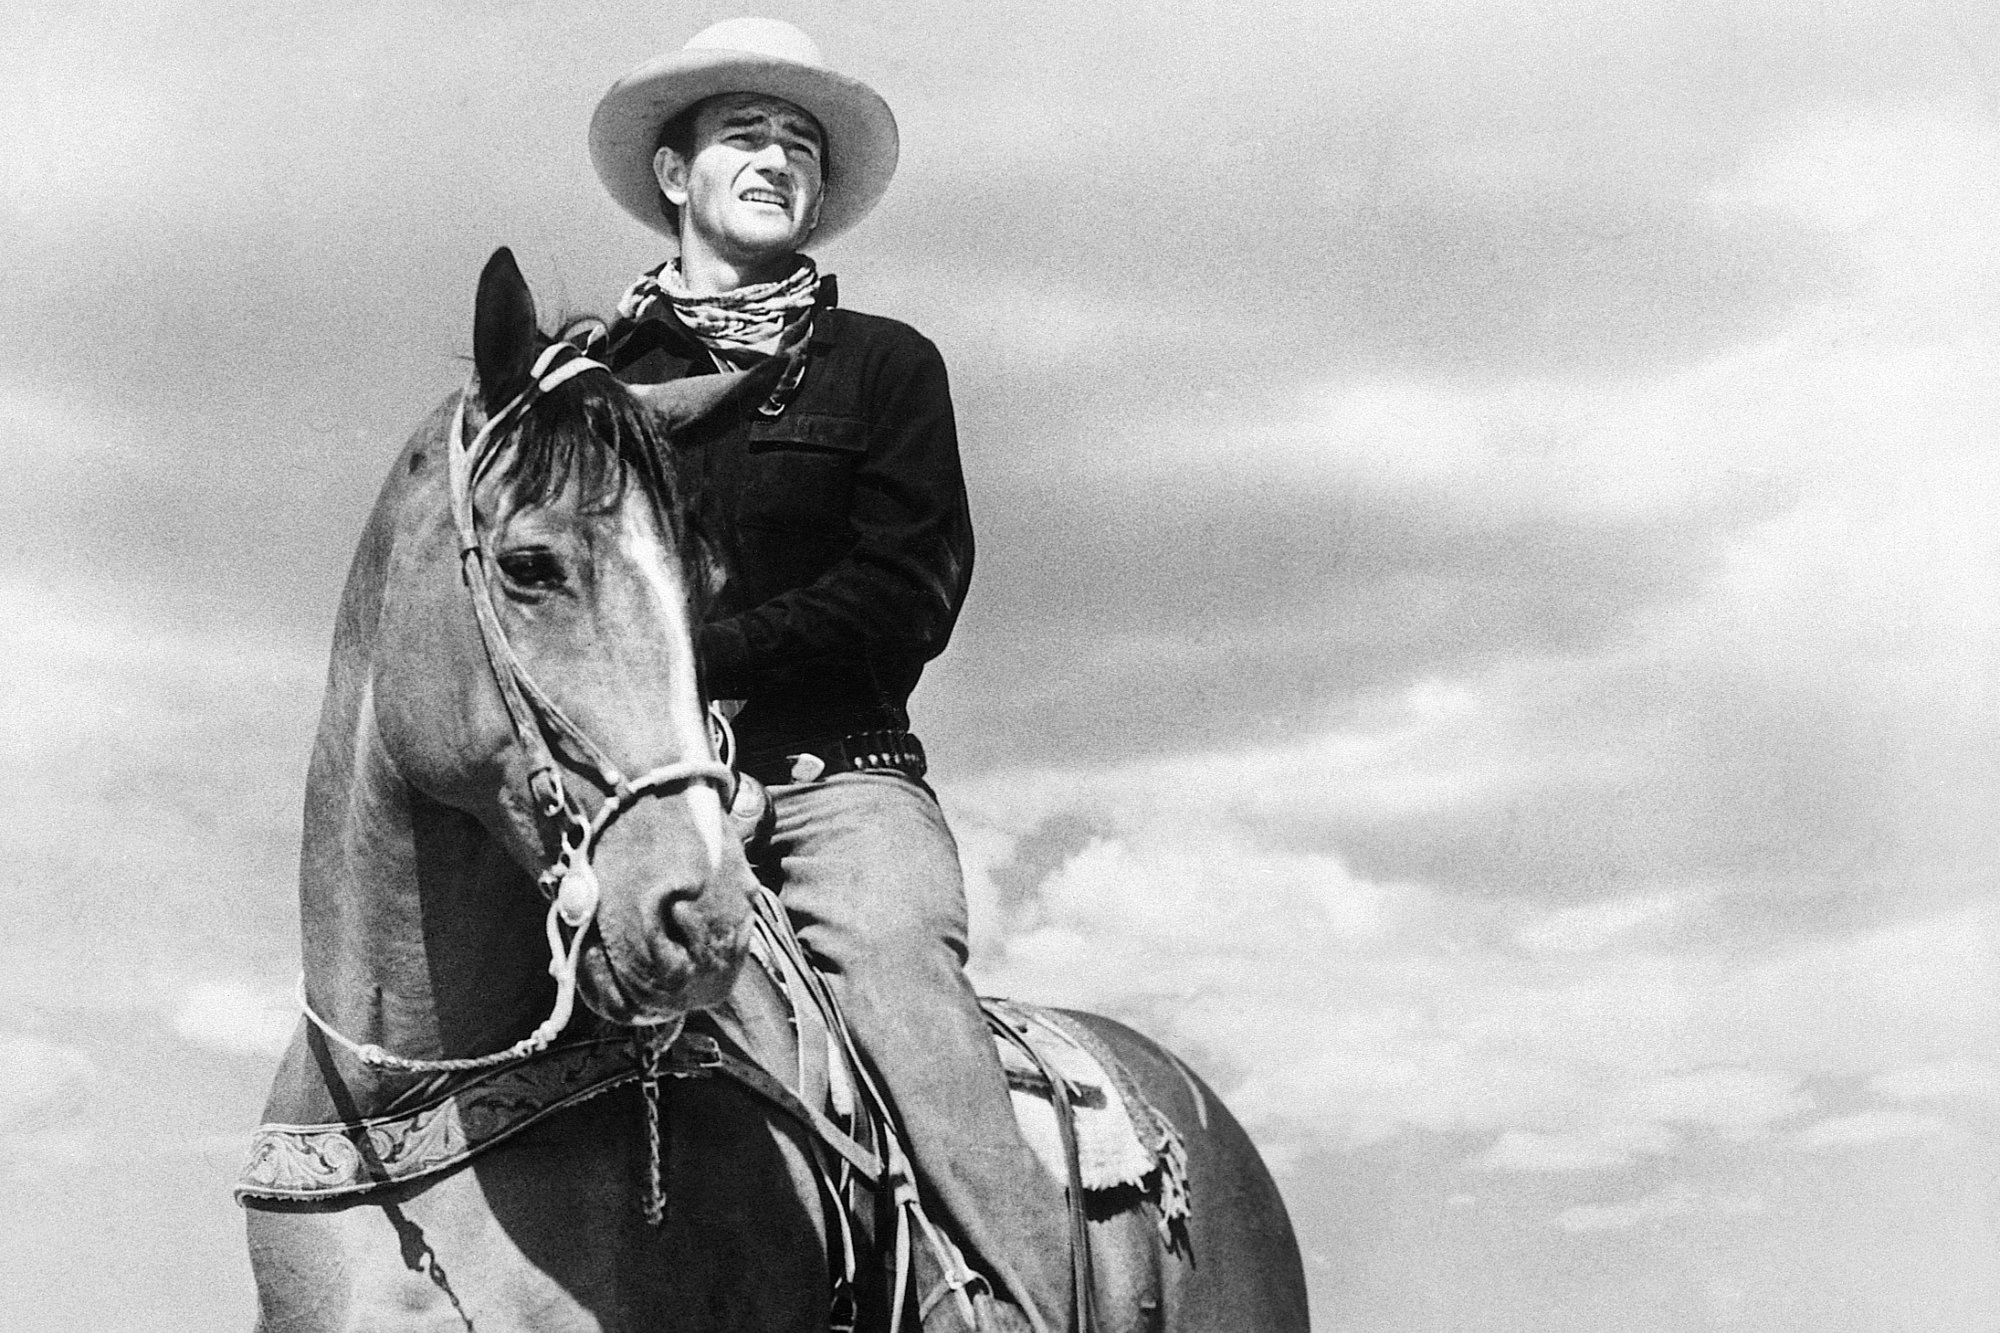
[1007, 668]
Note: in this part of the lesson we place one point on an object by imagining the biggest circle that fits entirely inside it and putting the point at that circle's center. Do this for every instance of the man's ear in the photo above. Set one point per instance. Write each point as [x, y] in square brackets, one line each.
[504, 337]
[670, 169]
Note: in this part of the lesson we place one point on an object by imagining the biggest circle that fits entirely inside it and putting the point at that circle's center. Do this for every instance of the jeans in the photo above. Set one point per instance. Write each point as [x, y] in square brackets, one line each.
[869, 873]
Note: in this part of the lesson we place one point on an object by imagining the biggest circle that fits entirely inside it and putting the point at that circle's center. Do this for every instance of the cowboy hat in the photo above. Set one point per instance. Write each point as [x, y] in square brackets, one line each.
[746, 55]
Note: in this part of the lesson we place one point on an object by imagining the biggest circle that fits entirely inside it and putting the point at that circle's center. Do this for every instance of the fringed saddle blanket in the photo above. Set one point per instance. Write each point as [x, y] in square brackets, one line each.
[1122, 1140]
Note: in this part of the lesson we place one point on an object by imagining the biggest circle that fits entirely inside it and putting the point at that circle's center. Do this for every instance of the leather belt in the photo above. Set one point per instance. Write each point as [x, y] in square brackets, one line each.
[886, 750]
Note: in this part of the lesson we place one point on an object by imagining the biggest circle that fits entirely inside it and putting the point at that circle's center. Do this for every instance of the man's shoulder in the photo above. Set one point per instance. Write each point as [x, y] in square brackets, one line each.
[874, 332]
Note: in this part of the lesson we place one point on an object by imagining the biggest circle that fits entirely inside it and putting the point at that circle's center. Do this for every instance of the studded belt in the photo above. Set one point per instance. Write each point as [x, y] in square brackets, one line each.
[882, 751]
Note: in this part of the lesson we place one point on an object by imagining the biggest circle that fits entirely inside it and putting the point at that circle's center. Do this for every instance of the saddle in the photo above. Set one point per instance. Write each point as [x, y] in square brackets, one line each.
[1078, 1107]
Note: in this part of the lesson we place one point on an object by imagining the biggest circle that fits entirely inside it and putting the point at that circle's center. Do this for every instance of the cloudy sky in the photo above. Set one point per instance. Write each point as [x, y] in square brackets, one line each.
[1486, 636]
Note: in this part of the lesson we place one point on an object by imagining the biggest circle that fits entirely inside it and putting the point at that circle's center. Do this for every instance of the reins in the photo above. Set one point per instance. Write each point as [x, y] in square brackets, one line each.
[570, 883]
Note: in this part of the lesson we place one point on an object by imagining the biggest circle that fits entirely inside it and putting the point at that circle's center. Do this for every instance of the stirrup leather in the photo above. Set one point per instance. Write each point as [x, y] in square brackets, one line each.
[777, 948]
[1062, 1095]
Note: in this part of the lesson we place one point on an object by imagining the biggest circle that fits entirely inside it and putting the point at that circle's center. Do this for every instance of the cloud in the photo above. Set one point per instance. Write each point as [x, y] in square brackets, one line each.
[1616, 1146]
[1438, 199]
[45, 1091]
[1734, 614]
[1746, 793]
[1589, 927]
[1970, 1080]
[1909, 189]
[1678, 1200]
[1764, 572]
[238, 1017]
[1334, 1008]
[1866, 1128]
[170, 753]
[1736, 1100]
[45, 1082]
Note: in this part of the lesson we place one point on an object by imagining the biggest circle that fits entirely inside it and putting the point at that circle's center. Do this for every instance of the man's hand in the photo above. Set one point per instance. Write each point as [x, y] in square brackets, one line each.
[751, 811]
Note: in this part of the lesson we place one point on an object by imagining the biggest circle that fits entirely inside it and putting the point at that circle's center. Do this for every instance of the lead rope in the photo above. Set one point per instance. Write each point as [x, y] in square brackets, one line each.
[652, 1054]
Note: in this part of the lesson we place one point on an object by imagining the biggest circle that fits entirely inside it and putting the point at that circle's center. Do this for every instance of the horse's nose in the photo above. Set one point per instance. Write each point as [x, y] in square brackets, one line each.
[703, 925]
[672, 916]
[689, 851]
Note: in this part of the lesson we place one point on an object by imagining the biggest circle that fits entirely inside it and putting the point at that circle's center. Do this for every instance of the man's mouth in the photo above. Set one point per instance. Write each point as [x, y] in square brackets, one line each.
[759, 196]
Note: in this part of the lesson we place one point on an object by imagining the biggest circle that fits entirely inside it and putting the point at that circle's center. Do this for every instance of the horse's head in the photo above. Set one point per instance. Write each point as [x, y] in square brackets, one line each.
[548, 683]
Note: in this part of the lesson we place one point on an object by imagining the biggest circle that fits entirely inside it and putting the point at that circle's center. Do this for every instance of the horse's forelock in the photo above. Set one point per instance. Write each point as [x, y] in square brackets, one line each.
[591, 432]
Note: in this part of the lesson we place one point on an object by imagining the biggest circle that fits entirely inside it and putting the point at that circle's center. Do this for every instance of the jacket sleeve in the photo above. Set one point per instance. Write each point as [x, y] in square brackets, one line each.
[898, 589]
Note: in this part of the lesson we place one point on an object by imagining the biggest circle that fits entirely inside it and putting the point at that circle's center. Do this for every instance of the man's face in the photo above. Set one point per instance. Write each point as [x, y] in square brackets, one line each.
[749, 189]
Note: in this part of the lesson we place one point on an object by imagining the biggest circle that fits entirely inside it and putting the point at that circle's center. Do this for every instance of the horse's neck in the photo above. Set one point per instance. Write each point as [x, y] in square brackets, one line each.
[420, 934]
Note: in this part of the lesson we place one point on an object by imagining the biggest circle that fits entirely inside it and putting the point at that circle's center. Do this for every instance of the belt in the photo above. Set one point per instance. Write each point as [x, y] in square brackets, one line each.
[863, 752]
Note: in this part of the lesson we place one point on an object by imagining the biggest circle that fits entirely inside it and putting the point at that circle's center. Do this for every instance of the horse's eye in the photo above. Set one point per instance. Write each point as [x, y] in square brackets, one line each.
[531, 569]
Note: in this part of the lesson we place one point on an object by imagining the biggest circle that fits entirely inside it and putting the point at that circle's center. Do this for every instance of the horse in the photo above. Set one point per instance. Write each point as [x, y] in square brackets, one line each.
[475, 1125]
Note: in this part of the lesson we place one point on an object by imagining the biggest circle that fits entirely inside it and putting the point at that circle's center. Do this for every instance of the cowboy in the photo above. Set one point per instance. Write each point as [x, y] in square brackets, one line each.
[852, 547]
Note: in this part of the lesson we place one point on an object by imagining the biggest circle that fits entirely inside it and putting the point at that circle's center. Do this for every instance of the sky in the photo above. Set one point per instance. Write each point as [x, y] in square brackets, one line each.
[1486, 635]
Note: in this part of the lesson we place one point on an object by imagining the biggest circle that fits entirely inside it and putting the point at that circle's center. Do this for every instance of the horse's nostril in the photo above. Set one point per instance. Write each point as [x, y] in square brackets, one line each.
[694, 916]
[706, 919]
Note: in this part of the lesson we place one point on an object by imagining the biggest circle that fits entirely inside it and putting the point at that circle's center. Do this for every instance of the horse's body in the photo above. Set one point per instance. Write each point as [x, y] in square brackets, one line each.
[424, 934]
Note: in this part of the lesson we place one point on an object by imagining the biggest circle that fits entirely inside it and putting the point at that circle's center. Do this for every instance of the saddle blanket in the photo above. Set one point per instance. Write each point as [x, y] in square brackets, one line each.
[1122, 1140]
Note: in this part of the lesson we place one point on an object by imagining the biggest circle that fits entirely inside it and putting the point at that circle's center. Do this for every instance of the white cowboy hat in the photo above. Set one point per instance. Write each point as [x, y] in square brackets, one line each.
[746, 55]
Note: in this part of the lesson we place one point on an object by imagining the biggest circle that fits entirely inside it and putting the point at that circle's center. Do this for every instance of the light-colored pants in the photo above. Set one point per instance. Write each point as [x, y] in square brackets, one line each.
[869, 872]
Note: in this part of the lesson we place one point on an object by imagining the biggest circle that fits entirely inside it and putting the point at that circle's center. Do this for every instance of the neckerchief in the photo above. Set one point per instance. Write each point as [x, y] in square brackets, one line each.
[759, 320]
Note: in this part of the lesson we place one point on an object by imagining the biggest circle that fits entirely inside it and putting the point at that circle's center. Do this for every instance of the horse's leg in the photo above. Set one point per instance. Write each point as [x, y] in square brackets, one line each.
[1240, 1271]
[528, 1237]
[546, 1232]
[429, 1260]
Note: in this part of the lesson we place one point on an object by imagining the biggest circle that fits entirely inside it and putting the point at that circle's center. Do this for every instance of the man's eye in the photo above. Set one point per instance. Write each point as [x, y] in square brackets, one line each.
[531, 569]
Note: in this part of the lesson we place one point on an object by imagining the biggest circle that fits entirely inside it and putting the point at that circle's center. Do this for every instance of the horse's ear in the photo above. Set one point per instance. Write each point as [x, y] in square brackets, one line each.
[504, 335]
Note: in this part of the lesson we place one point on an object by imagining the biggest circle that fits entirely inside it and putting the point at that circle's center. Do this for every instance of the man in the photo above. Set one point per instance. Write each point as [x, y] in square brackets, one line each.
[853, 549]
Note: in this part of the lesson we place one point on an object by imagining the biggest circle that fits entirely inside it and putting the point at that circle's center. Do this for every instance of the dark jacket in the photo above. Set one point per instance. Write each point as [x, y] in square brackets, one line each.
[850, 544]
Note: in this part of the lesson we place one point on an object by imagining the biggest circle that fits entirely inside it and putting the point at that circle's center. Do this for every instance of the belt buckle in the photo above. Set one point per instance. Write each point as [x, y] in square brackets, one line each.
[806, 767]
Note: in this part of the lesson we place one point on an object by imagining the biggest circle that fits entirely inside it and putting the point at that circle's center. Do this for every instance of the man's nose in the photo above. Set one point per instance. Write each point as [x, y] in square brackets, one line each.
[771, 157]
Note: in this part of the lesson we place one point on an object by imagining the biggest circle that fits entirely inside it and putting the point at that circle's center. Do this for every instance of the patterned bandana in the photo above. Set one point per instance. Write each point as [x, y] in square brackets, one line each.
[761, 318]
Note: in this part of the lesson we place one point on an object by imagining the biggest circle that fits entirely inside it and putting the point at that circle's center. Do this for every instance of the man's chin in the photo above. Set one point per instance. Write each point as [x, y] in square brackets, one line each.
[762, 243]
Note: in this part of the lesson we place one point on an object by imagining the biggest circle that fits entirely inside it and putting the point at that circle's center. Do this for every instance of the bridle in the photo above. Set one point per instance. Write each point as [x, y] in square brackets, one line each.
[570, 883]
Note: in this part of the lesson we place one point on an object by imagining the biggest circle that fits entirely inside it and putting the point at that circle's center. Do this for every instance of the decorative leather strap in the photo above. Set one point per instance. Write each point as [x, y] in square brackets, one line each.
[698, 1055]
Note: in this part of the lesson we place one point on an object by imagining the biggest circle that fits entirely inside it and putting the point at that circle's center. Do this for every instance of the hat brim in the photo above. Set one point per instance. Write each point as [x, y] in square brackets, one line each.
[861, 139]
